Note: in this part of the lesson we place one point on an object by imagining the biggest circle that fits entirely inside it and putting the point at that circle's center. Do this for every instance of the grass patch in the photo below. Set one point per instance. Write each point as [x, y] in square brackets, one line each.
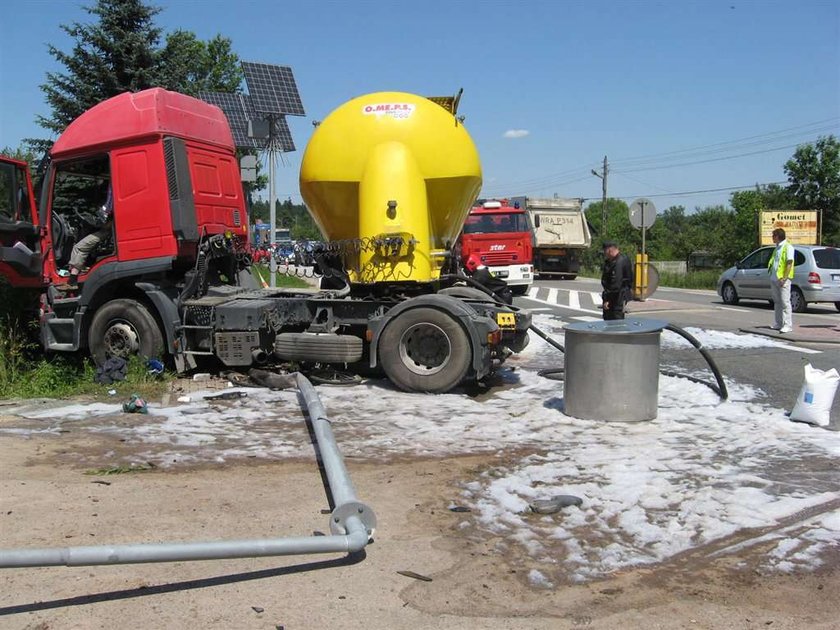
[704, 279]
[121, 470]
[263, 274]
[62, 376]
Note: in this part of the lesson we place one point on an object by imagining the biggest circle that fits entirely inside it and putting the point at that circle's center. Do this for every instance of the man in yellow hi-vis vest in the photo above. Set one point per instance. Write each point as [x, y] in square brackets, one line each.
[780, 269]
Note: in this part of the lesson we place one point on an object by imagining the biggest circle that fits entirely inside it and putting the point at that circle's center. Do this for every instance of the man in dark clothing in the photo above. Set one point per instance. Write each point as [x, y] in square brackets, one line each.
[616, 279]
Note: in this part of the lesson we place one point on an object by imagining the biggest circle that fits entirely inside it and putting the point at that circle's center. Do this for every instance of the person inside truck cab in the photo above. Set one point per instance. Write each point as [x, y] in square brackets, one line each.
[84, 248]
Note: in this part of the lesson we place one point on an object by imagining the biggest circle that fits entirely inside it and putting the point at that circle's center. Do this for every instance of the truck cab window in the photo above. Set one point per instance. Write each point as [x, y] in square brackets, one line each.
[7, 198]
[14, 194]
[81, 189]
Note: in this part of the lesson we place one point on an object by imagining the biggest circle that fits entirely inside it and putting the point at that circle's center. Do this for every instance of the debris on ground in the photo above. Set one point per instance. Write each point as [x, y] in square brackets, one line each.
[136, 405]
[416, 576]
[273, 380]
[227, 396]
[112, 371]
[555, 503]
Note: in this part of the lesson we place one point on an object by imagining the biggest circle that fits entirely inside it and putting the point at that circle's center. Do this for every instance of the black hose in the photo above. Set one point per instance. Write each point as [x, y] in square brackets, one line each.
[550, 341]
[720, 389]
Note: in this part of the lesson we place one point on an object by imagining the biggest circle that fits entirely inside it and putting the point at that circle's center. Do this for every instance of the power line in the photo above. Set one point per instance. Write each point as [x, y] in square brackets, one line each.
[687, 193]
[655, 161]
[718, 159]
[722, 147]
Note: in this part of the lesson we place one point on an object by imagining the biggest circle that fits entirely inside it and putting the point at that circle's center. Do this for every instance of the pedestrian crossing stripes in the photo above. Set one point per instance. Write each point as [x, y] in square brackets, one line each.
[583, 301]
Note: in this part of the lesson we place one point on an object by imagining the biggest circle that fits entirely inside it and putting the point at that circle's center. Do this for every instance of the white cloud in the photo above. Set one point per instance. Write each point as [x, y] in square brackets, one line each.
[515, 133]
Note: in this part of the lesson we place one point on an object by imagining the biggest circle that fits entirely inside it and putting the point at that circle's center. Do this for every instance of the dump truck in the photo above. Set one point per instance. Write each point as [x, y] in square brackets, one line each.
[560, 232]
[389, 178]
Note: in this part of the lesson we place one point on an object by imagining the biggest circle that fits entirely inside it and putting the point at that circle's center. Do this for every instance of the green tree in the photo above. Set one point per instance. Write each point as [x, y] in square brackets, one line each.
[618, 229]
[117, 53]
[711, 231]
[669, 238]
[120, 51]
[814, 176]
[190, 66]
[295, 217]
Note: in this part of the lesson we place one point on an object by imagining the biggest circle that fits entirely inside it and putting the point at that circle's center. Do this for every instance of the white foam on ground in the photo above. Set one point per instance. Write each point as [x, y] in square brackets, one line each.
[704, 473]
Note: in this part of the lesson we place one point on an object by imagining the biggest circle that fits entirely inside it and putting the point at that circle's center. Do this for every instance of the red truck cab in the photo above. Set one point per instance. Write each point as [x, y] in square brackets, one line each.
[165, 166]
[498, 236]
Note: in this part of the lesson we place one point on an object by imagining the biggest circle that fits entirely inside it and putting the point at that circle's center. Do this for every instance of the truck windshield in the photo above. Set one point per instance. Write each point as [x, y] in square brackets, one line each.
[495, 223]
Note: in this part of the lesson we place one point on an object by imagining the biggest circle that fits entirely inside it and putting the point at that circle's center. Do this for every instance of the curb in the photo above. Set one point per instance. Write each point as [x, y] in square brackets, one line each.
[802, 334]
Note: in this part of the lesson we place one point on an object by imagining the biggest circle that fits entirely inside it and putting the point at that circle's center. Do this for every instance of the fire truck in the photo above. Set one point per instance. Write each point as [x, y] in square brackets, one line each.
[497, 235]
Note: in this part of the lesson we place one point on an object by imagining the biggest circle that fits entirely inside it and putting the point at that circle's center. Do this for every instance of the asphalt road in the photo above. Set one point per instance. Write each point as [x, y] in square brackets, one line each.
[776, 371]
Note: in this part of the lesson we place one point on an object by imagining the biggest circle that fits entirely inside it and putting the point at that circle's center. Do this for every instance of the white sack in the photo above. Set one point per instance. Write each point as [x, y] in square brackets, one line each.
[813, 405]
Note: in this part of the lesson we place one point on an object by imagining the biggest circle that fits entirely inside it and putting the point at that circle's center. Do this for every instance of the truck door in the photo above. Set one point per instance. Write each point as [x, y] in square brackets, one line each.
[20, 246]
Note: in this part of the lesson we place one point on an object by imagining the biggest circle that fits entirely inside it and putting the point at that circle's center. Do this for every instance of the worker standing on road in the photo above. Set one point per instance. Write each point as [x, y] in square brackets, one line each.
[780, 269]
[616, 280]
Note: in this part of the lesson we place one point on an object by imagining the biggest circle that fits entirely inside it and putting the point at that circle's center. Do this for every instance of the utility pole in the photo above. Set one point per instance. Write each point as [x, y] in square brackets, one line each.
[603, 177]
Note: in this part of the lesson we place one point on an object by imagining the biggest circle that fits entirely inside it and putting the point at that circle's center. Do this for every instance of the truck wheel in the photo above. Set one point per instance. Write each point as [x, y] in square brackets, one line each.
[122, 328]
[425, 350]
[520, 289]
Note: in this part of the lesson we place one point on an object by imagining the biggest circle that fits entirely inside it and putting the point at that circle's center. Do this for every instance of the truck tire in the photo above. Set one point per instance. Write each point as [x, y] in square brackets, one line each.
[318, 347]
[520, 289]
[123, 328]
[425, 350]
[467, 293]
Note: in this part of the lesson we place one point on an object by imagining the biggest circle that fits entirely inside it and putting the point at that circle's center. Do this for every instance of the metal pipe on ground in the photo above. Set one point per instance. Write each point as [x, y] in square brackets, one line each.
[351, 522]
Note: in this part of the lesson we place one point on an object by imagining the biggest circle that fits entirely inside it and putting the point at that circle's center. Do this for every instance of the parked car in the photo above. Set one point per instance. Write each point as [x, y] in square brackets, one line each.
[816, 277]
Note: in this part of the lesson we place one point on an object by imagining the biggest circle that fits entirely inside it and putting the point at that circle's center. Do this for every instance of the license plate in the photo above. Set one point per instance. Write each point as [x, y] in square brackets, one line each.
[500, 274]
[506, 320]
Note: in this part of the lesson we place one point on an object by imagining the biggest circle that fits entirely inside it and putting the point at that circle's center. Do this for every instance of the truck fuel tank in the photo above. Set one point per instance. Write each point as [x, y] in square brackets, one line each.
[396, 173]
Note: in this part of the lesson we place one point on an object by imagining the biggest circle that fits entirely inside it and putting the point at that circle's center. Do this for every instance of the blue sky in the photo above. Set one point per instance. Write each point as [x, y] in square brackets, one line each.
[671, 92]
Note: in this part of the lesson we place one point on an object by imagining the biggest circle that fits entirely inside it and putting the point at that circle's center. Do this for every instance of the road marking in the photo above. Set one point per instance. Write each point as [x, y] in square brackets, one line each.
[534, 292]
[596, 298]
[729, 308]
[574, 300]
[802, 350]
[587, 318]
[541, 310]
[552, 296]
[556, 305]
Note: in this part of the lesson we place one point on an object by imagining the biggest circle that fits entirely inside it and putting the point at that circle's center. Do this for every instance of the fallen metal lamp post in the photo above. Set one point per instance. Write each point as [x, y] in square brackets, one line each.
[351, 522]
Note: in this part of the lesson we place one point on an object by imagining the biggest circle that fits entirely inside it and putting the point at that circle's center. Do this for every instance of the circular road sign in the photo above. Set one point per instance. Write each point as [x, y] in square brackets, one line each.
[642, 212]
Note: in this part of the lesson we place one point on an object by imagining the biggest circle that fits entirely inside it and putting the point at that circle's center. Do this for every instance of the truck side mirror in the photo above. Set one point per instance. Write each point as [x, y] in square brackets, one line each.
[536, 220]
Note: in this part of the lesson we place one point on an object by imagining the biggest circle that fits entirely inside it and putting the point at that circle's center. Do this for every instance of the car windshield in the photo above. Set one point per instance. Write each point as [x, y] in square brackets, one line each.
[828, 258]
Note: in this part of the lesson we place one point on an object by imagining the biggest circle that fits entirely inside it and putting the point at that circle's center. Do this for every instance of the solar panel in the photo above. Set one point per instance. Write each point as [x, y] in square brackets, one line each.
[235, 108]
[282, 135]
[272, 89]
[238, 109]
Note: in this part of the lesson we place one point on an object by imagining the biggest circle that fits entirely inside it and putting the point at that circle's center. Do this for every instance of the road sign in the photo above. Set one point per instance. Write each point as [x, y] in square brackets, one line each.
[642, 213]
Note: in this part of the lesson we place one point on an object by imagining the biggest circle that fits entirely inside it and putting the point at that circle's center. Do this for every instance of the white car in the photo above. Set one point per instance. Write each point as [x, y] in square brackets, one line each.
[816, 277]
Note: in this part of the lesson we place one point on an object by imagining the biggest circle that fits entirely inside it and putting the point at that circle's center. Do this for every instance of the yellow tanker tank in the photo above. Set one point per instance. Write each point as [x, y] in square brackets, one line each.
[397, 174]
